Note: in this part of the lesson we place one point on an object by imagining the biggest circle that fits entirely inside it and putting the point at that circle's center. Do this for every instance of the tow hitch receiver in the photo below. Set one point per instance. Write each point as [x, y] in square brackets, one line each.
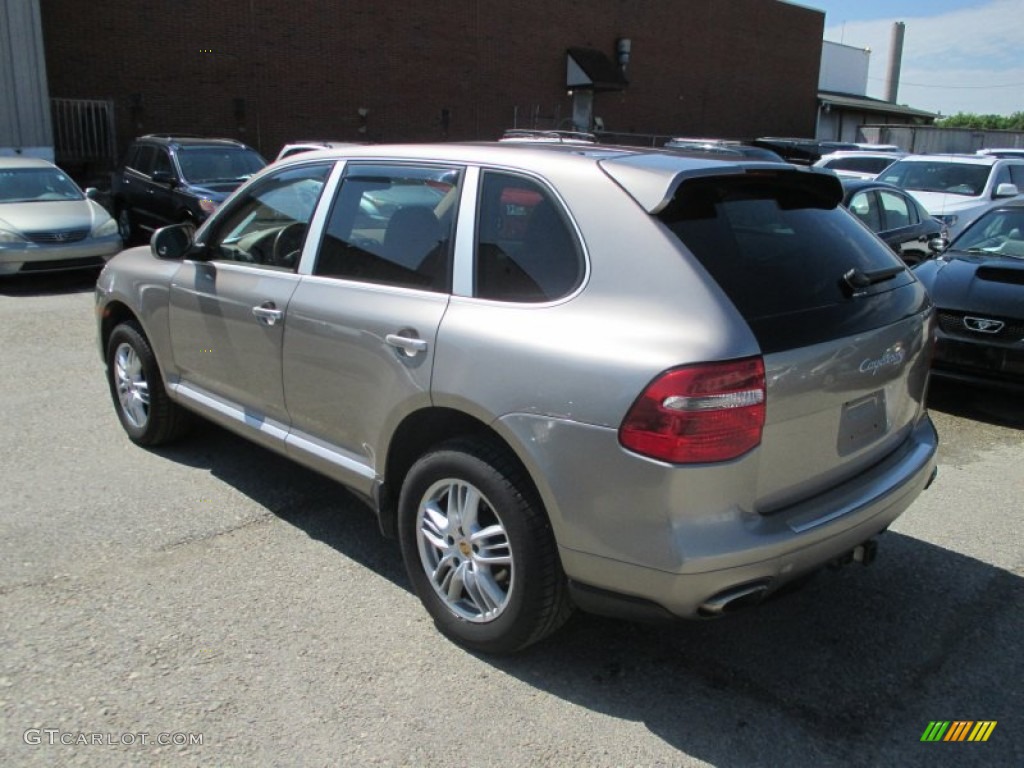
[864, 554]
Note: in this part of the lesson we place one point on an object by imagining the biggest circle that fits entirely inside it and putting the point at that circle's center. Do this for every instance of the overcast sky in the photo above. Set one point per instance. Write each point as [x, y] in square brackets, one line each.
[958, 55]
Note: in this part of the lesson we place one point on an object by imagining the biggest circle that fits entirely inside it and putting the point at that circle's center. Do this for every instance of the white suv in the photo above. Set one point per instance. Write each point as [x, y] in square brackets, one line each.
[957, 188]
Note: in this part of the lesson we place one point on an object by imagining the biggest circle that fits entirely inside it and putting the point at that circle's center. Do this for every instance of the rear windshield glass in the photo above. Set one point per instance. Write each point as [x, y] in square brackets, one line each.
[780, 251]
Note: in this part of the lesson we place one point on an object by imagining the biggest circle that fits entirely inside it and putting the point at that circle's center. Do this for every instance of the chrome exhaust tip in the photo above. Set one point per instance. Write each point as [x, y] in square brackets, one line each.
[733, 599]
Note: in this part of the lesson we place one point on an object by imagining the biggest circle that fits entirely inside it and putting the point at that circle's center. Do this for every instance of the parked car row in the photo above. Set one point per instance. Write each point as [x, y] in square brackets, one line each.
[957, 188]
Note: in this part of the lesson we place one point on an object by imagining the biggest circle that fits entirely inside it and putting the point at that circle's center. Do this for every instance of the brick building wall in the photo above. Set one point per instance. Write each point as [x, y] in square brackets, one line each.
[270, 72]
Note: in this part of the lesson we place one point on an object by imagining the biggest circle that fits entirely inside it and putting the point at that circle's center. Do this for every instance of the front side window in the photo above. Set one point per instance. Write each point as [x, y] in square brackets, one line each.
[162, 161]
[267, 225]
[526, 250]
[897, 213]
[392, 225]
[145, 158]
[864, 205]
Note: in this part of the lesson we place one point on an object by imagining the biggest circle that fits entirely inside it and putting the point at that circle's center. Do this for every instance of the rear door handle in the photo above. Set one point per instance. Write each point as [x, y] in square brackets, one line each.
[408, 344]
[267, 313]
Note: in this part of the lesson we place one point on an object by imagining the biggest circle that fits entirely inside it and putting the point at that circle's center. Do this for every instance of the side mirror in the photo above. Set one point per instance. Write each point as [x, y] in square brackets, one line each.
[171, 243]
[92, 193]
[938, 244]
[1006, 190]
[163, 177]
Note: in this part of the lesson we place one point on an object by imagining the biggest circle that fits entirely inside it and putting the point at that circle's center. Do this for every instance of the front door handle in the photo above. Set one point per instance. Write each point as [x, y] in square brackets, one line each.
[408, 344]
[267, 313]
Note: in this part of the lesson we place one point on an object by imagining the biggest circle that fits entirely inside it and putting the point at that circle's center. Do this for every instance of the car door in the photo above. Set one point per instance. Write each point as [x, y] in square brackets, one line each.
[902, 227]
[136, 184]
[360, 338]
[228, 307]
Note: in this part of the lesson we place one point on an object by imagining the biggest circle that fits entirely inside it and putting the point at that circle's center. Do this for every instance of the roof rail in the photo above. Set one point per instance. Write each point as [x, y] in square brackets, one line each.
[173, 136]
[526, 134]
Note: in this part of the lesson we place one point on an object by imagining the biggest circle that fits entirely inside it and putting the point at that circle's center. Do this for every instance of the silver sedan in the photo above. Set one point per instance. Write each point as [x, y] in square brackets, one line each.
[47, 223]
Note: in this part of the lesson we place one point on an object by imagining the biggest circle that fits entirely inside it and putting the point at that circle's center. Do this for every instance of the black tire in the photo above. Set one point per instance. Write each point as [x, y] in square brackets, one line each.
[530, 594]
[146, 412]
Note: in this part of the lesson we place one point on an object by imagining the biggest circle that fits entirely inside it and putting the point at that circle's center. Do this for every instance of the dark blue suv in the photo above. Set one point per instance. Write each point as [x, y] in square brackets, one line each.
[173, 179]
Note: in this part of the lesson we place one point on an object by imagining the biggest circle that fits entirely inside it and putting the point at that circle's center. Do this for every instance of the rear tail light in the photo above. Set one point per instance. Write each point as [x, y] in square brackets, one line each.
[700, 413]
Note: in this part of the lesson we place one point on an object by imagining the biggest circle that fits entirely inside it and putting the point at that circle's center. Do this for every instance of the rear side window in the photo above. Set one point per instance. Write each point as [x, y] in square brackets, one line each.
[781, 251]
[392, 225]
[526, 251]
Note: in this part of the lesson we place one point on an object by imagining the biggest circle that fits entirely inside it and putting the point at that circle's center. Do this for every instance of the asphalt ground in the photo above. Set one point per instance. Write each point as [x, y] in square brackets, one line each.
[212, 604]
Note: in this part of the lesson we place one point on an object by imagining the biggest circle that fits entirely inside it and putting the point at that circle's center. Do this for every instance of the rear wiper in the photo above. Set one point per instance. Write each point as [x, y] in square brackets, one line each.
[857, 279]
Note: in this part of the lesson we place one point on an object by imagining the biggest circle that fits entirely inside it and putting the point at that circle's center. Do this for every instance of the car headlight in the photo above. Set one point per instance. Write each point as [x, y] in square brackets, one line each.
[9, 236]
[949, 219]
[107, 228]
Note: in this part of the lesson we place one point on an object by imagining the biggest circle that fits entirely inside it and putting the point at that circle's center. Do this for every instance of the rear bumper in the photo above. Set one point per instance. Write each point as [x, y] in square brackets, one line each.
[678, 559]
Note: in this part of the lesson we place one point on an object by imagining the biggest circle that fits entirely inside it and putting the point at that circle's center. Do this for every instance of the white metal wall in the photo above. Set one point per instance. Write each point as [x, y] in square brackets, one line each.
[25, 126]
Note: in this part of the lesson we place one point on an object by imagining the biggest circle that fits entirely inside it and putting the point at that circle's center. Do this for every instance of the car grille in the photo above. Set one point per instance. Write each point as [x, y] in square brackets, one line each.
[952, 323]
[997, 363]
[60, 236]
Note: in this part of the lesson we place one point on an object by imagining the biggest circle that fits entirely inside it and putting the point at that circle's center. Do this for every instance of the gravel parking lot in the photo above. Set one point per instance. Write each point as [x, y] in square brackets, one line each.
[212, 604]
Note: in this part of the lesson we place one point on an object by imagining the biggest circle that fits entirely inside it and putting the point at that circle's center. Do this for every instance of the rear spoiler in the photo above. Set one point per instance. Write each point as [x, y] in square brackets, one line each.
[653, 180]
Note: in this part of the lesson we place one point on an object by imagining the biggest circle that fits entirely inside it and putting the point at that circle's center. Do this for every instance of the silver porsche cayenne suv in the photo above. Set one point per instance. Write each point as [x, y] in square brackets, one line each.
[631, 381]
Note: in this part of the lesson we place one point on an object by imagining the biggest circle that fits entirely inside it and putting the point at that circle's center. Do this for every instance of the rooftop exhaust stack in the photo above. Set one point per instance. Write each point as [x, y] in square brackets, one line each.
[892, 81]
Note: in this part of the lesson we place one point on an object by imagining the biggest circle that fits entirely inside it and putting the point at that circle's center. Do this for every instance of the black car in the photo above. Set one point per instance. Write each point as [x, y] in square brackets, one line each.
[977, 285]
[895, 216]
[170, 180]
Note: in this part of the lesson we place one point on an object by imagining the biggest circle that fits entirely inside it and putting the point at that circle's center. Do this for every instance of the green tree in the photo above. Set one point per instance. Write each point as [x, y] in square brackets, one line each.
[1014, 122]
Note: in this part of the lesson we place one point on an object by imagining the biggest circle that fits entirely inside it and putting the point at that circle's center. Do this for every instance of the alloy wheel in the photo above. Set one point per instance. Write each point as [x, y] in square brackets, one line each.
[465, 550]
[132, 387]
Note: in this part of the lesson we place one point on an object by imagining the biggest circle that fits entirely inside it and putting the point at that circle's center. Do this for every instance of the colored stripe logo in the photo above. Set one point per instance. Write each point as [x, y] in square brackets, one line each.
[958, 730]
